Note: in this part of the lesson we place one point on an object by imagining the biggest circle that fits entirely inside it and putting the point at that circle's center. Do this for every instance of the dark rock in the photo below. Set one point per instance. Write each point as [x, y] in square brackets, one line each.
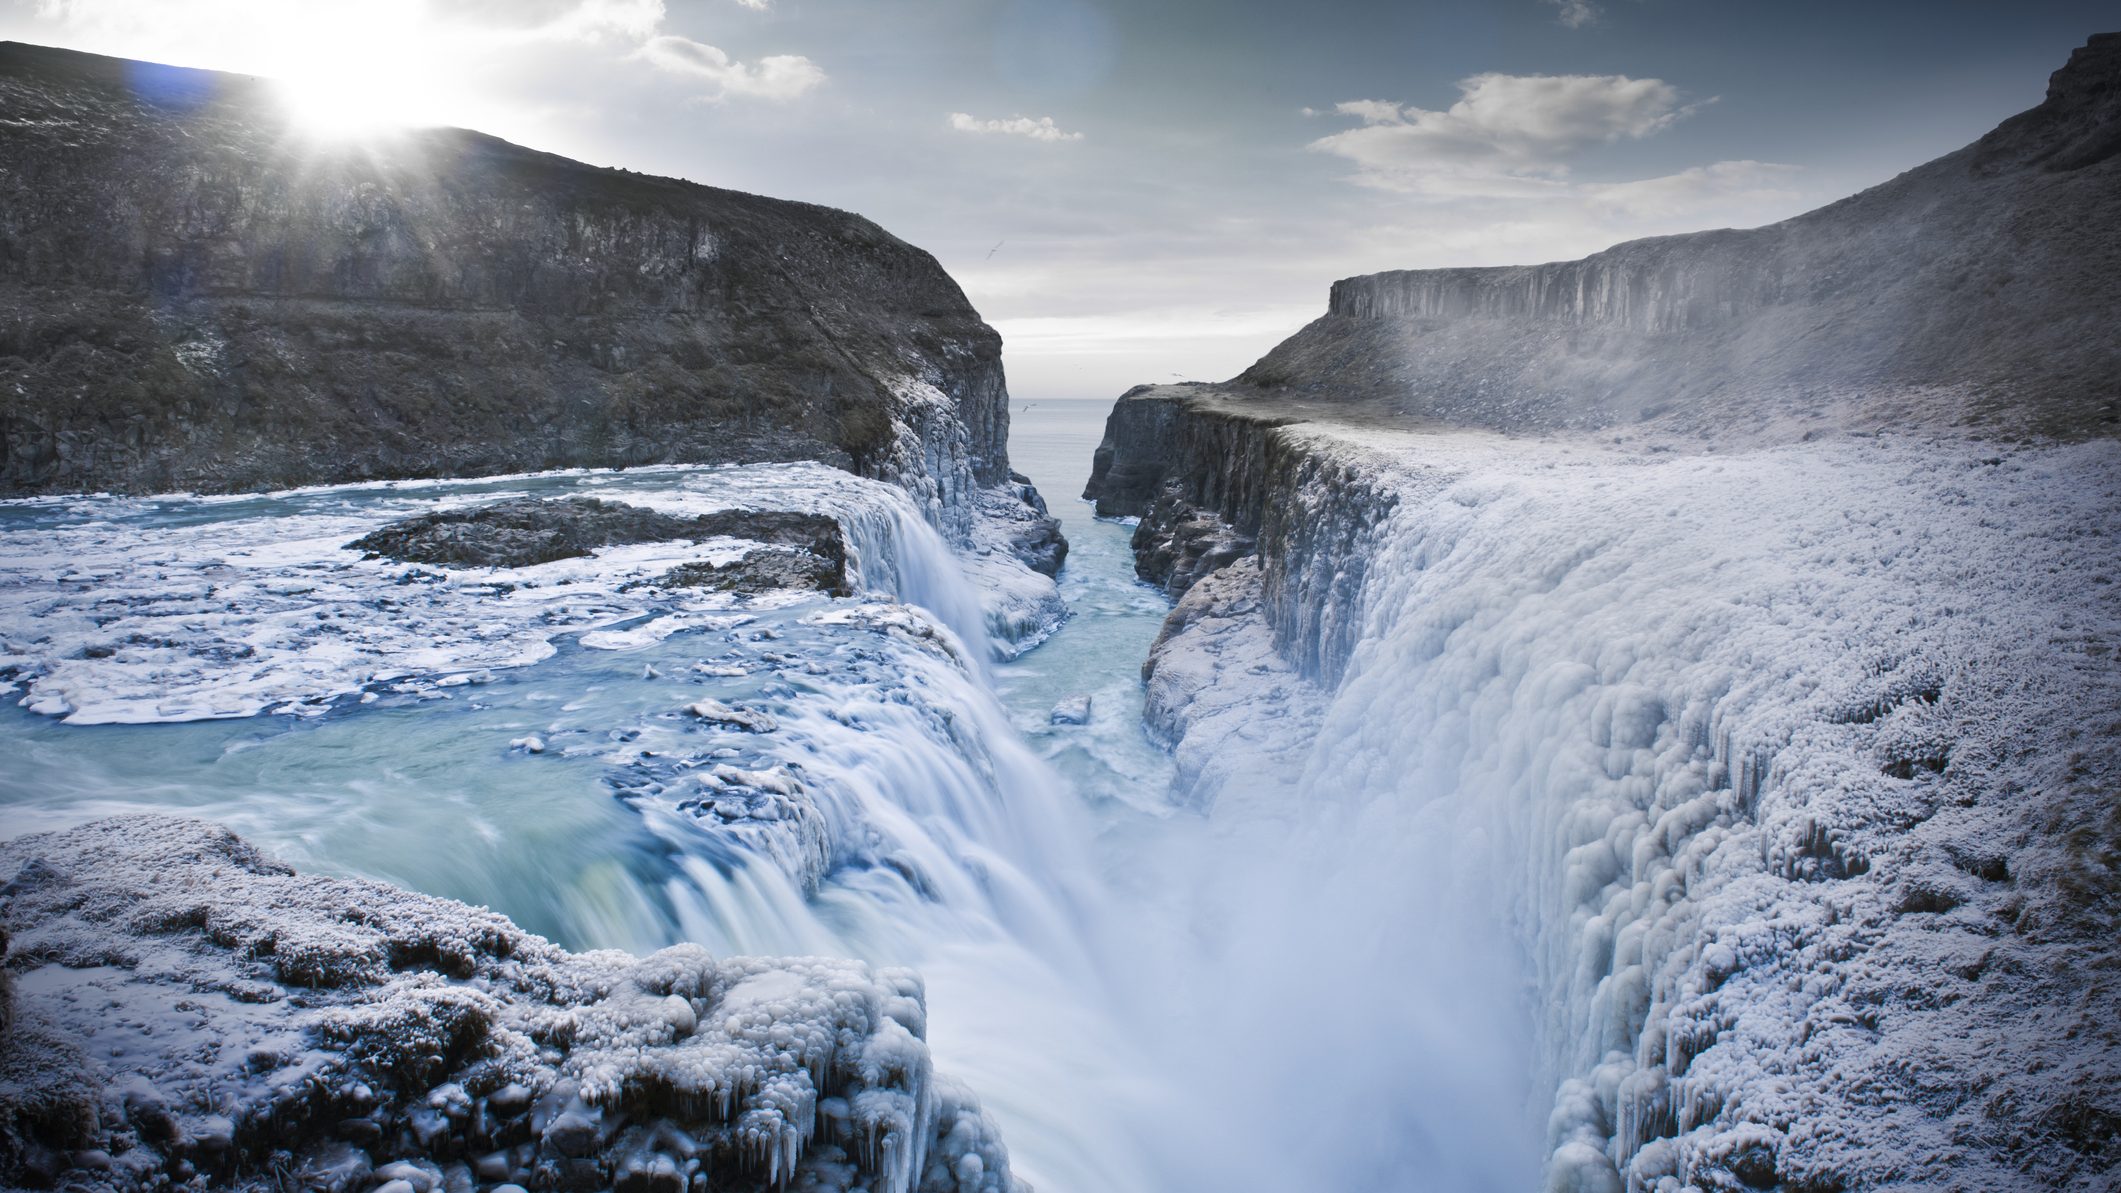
[808, 550]
[1036, 540]
[1177, 543]
[1028, 531]
[1075, 710]
[765, 570]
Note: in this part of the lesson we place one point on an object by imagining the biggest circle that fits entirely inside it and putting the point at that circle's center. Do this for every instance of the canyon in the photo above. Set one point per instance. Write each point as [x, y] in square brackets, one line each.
[1642, 724]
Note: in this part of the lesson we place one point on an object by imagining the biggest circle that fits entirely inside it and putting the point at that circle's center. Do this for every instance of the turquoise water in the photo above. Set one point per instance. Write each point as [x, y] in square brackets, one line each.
[957, 851]
[1114, 618]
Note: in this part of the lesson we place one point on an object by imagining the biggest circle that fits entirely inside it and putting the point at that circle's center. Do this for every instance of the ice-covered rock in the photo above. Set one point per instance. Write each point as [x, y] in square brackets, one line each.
[715, 712]
[1075, 710]
[256, 605]
[188, 1009]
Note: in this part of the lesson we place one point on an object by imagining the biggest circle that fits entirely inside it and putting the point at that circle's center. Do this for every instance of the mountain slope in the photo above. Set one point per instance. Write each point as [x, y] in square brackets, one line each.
[195, 295]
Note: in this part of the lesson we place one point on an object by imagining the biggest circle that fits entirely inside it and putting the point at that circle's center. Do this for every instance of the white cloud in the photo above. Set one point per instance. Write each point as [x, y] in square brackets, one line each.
[1576, 13]
[1041, 129]
[1508, 135]
[778, 76]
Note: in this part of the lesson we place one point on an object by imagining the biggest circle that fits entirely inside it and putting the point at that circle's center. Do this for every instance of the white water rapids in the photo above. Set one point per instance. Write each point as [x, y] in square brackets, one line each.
[1286, 993]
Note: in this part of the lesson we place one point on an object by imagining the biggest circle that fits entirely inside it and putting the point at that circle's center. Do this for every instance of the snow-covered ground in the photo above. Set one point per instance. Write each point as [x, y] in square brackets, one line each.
[1788, 774]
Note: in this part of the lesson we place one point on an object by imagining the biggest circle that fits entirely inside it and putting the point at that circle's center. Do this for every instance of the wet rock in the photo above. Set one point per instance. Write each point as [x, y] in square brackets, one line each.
[527, 531]
[768, 569]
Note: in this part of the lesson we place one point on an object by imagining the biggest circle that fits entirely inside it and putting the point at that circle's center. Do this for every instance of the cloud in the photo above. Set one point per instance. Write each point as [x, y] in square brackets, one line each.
[1041, 129]
[1576, 13]
[1508, 135]
[777, 77]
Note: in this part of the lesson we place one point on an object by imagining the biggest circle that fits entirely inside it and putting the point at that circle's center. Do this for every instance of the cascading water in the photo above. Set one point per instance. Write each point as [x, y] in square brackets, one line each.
[1293, 991]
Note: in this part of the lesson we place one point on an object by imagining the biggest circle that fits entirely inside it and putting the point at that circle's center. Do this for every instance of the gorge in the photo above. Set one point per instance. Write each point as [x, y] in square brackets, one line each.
[1646, 723]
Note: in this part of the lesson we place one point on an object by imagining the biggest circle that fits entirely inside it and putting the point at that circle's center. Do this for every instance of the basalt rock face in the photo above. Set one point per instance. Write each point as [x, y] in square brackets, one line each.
[193, 294]
[1980, 289]
[1215, 478]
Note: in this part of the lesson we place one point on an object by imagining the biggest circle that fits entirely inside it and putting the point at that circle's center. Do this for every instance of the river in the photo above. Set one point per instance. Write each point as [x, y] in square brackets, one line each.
[1146, 997]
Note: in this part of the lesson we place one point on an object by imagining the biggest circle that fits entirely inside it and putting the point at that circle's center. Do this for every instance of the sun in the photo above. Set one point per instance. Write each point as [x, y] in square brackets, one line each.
[328, 106]
[355, 70]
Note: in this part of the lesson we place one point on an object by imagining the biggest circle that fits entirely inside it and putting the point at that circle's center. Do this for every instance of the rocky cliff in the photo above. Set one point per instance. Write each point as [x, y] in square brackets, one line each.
[1979, 289]
[193, 294]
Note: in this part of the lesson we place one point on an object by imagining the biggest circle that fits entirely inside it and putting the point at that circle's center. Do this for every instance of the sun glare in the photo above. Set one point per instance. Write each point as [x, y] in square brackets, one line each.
[353, 70]
[331, 107]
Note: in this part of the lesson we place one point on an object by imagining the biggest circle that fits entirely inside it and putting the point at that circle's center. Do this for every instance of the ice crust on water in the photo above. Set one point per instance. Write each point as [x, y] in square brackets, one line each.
[233, 607]
[190, 1010]
[1789, 773]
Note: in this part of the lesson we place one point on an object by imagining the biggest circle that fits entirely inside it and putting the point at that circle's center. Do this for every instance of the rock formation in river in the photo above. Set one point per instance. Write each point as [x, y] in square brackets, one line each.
[1771, 642]
[195, 295]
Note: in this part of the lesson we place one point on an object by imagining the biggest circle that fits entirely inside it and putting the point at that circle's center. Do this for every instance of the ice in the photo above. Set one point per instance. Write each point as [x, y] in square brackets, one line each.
[189, 1008]
[797, 775]
[1754, 761]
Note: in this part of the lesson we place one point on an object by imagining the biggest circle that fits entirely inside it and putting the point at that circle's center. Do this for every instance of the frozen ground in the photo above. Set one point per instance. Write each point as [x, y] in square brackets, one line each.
[1790, 774]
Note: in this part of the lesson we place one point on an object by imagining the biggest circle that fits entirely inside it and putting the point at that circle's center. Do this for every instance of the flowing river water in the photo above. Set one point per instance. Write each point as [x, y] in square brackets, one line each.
[1147, 997]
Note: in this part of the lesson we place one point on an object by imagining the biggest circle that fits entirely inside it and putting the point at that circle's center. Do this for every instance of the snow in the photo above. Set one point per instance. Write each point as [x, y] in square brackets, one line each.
[1783, 772]
[189, 1007]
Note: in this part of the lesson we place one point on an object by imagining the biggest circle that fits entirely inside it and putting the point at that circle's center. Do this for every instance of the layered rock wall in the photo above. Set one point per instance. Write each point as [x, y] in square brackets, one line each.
[1214, 480]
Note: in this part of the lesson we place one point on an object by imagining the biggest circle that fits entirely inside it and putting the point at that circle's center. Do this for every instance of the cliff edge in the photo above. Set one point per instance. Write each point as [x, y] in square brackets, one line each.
[1750, 596]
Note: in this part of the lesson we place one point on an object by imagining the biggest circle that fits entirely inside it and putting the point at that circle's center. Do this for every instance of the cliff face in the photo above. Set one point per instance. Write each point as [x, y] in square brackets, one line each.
[1981, 288]
[194, 295]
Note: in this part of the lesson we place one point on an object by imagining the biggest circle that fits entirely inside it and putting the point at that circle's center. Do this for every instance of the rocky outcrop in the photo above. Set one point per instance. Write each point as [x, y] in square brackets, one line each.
[803, 551]
[196, 295]
[191, 1011]
[1219, 476]
[1981, 289]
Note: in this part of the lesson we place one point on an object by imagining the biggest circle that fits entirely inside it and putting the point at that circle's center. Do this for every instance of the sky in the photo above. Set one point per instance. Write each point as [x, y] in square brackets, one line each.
[1156, 190]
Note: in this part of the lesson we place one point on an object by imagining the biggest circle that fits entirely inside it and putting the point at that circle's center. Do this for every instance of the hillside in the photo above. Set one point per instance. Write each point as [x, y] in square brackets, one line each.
[193, 294]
